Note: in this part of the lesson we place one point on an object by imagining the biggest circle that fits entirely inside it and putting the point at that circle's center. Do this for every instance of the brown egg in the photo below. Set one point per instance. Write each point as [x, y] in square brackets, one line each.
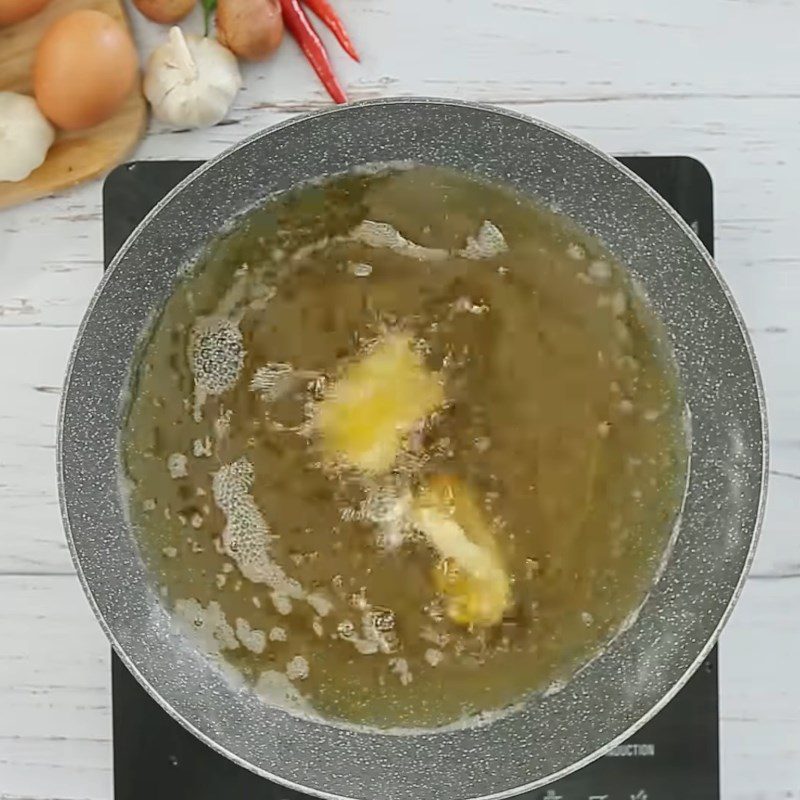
[85, 67]
[165, 11]
[12, 11]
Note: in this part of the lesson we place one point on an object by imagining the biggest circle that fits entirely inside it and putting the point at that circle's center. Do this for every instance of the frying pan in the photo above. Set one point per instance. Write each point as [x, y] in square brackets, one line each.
[548, 735]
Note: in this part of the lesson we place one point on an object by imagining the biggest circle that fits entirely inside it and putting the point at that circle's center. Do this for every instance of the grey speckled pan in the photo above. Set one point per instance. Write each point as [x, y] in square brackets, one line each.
[644, 667]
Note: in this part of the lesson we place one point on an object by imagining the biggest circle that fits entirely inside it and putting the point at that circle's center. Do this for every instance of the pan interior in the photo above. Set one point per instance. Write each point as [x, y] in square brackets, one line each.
[558, 431]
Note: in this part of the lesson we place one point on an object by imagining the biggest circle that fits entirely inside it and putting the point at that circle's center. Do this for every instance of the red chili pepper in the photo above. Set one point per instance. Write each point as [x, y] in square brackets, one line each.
[301, 28]
[323, 9]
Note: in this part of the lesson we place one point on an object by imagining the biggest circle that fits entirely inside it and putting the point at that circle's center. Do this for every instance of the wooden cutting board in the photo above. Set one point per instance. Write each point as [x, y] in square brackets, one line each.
[75, 155]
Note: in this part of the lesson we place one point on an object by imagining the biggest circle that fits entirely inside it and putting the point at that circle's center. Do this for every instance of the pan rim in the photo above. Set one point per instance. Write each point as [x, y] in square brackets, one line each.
[675, 219]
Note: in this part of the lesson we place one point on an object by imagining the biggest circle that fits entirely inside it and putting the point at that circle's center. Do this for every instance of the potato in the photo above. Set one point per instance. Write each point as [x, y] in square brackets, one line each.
[252, 29]
[164, 11]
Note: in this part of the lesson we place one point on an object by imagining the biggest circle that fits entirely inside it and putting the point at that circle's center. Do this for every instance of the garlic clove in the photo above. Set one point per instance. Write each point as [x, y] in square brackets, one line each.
[191, 81]
[25, 136]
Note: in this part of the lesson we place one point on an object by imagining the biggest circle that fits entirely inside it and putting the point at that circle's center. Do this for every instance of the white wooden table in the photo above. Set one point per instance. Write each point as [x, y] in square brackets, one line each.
[717, 79]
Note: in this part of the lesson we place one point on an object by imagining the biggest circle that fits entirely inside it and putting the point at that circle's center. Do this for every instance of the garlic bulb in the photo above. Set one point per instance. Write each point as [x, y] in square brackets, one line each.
[25, 136]
[191, 81]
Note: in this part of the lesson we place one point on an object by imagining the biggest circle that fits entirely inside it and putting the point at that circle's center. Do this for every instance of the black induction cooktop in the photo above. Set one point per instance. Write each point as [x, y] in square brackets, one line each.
[674, 757]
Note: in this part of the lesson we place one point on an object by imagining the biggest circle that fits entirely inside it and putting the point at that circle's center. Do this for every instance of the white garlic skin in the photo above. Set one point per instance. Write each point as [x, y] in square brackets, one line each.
[25, 136]
[191, 81]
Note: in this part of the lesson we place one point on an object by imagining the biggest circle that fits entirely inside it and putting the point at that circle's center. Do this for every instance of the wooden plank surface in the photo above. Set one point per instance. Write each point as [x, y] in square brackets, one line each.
[717, 79]
[75, 156]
